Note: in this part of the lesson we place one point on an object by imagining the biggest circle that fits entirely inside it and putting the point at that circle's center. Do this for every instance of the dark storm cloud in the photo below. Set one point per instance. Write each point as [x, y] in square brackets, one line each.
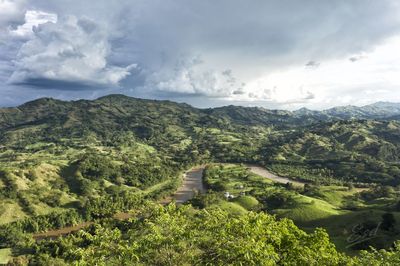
[43, 83]
[244, 36]
[312, 64]
[152, 32]
[357, 58]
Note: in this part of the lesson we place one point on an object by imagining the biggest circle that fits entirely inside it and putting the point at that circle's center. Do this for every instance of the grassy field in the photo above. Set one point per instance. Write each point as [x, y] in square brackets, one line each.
[231, 207]
[247, 202]
[42, 174]
[10, 211]
[5, 255]
[306, 209]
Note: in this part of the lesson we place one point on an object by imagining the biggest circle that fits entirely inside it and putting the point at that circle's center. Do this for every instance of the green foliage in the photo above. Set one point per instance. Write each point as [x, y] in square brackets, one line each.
[388, 221]
[107, 206]
[206, 200]
[9, 189]
[379, 257]
[182, 236]
[248, 202]
[94, 166]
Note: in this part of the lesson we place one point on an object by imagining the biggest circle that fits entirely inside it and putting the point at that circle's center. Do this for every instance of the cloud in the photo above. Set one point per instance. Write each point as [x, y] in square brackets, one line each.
[312, 64]
[33, 19]
[309, 96]
[270, 38]
[337, 81]
[356, 58]
[263, 44]
[70, 51]
[281, 93]
[189, 77]
[11, 13]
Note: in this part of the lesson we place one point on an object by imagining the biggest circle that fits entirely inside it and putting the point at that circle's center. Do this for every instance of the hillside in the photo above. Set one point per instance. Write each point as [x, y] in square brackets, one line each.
[359, 151]
[54, 154]
[119, 111]
[67, 163]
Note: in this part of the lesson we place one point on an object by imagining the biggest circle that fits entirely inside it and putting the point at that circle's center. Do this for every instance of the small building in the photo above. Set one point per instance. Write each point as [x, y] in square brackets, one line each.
[228, 195]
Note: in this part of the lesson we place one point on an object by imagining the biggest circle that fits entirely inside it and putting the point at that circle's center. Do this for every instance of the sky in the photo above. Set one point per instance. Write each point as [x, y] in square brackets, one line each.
[278, 54]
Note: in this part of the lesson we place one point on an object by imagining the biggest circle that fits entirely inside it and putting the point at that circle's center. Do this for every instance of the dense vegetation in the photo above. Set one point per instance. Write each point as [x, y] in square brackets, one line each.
[169, 235]
[64, 163]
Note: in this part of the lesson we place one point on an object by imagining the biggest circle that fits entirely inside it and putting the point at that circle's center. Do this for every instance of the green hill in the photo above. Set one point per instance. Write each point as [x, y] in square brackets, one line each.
[67, 163]
[358, 151]
[44, 143]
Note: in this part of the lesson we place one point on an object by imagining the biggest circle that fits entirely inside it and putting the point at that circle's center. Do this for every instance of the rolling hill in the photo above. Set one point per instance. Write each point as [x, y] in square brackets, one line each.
[54, 153]
[63, 163]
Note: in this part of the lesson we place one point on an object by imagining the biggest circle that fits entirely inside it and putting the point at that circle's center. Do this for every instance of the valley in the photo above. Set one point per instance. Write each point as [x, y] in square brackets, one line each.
[192, 185]
[98, 171]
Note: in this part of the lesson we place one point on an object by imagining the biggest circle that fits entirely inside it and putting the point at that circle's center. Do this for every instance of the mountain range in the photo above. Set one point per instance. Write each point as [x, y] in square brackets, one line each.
[45, 108]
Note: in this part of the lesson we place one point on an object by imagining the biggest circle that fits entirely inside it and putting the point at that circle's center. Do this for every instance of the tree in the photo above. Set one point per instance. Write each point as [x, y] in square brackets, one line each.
[388, 221]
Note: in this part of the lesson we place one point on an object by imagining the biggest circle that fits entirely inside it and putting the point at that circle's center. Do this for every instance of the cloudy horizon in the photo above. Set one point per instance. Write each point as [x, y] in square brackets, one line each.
[274, 54]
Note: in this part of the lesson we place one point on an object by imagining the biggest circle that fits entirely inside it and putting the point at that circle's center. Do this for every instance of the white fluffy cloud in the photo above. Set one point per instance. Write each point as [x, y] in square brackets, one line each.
[189, 77]
[11, 12]
[69, 51]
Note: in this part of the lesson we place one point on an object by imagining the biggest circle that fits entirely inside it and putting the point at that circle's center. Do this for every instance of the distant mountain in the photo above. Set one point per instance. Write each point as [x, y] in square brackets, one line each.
[254, 115]
[113, 111]
[379, 110]
[304, 116]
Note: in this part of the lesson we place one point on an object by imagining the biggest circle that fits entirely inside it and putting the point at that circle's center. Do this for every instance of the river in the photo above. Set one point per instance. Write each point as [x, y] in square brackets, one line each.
[261, 171]
[192, 183]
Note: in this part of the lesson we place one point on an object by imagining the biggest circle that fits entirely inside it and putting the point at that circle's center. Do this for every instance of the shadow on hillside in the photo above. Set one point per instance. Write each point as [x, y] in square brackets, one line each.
[68, 173]
[357, 230]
